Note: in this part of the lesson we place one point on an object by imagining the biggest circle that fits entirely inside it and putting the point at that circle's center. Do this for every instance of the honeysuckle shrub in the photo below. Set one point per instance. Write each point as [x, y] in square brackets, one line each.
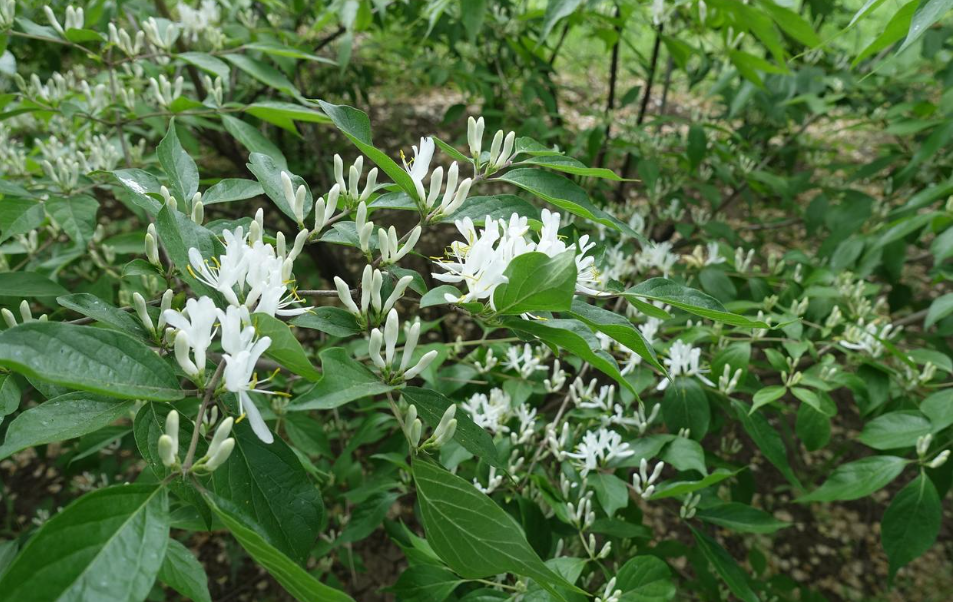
[479, 342]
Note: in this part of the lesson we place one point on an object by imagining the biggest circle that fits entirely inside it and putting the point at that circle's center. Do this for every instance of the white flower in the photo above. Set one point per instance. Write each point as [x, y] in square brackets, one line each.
[389, 339]
[228, 270]
[195, 22]
[867, 337]
[421, 162]
[598, 448]
[475, 135]
[491, 412]
[195, 325]
[524, 361]
[683, 360]
[294, 197]
[239, 378]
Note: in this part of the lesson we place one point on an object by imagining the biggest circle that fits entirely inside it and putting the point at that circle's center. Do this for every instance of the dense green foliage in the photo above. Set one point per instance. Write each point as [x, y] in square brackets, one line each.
[606, 300]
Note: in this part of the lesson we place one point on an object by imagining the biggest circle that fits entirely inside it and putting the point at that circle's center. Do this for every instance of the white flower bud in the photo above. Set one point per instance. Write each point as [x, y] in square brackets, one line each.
[221, 434]
[339, 174]
[398, 292]
[164, 303]
[167, 451]
[221, 455]
[377, 281]
[390, 336]
[506, 151]
[152, 250]
[344, 294]
[182, 349]
[140, 305]
[410, 343]
[374, 348]
[415, 432]
[198, 212]
[8, 317]
[369, 185]
[421, 365]
[495, 147]
[26, 314]
[446, 435]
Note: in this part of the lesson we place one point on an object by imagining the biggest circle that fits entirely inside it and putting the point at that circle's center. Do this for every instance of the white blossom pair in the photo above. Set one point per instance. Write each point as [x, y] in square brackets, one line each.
[501, 147]
[349, 190]
[684, 360]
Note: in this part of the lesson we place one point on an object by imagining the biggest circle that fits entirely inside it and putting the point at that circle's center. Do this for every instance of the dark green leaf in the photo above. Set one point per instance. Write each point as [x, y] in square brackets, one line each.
[182, 571]
[431, 406]
[685, 406]
[726, 566]
[76, 215]
[857, 479]
[618, 327]
[911, 523]
[329, 319]
[89, 359]
[537, 282]
[689, 300]
[645, 579]
[741, 517]
[93, 307]
[343, 380]
[231, 189]
[28, 284]
[894, 430]
[285, 348]
[179, 167]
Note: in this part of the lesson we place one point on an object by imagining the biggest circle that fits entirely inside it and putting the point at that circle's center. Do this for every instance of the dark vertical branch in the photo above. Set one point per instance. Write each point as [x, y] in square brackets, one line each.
[643, 105]
[611, 96]
[666, 84]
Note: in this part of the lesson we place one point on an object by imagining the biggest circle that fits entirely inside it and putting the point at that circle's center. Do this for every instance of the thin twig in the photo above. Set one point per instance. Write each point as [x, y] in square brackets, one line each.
[206, 401]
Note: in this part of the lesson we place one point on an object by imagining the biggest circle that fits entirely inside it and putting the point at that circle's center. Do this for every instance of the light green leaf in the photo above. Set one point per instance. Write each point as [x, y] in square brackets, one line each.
[618, 327]
[329, 319]
[928, 13]
[107, 546]
[179, 167]
[207, 63]
[255, 142]
[19, 216]
[139, 183]
[500, 206]
[741, 517]
[689, 300]
[263, 72]
[557, 190]
[939, 410]
[64, 417]
[76, 215]
[537, 282]
[93, 307]
[911, 523]
[685, 406]
[894, 430]
[285, 348]
[611, 491]
[766, 396]
[685, 454]
[431, 406]
[183, 572]
[89, 359]
[571, 166]
[767, 440]
[671, 489]
[231, 189]
[177, 234]
[575, 337]
[472, 534]
[357, 127]
[857, 479]
[645, 579]
[343, 380]
[425, 583]
[28, 284]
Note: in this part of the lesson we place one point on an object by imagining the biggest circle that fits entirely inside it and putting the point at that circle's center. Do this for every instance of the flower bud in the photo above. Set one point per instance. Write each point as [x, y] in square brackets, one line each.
[198, 212]
[390, 336]
[221, 434]
[421, 365]
[411, 415]
[140, 305]
[344, 295]
[8, 317]
[167, 451]
[182, 348]
[446, 419]
[446, 435]
[415, 432]
[495, 147]
[152, 250]
[221, 455]
[25, 312]
[374, 348]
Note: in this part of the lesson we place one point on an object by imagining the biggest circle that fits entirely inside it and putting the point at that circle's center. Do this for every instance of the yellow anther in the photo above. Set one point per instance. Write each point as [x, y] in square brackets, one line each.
[240, 419]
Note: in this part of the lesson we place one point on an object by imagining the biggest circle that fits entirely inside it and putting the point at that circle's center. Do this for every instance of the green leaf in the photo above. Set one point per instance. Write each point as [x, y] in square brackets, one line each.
[269, 174]
[929, 12]
[812, 427]
[268, 487]
[741, 517]
[19, 216]
[76, 215]
[254, 141]
[896, 29]
[472, 534]
[685, 406]
[689, 300]
[329, 319]
[500, 206]
[28, 284]
[367, 517]
[179, 167]
[89, 359]
[285, 114]
[431, 406]
[178, 233]
[93, 307]
[556, 10]
[207, 63]
[685, 454]
[939, 410]
[894, 430]
[792, 23]
[343, 380]
[537, 282]
[140, 183]
[726, 566]
[425, 583]
[696, 145]
[645, 579]
[911, 523]
[435, 296]
[671, 489]
[263, 72]
[767, 440]
[64, 417]
[9, 396]
[231, 189]
[611, 492]
[292, 577]
[940, 308]
[766, 396]
[287, 51]
[107, 546]
[557, 190]
[285, 348]
[572, 166]
[857, 479]
[618, 328]
[357, 127]
[182, 572]
[575, 337]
